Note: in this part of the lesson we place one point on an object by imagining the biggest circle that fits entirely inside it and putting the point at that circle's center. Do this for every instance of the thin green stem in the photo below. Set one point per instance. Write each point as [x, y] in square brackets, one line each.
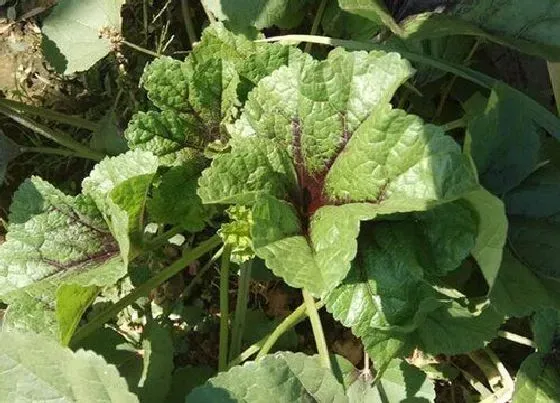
[145, 288]
[516, 338]
[198, 278]
[140, 48]
[318, 334]
[240, 309]
[187, 19]
[455, 124]
[267, 342]
[52, 134]
[49, 114]
[224, 309]
[316, 22]
[162, 239]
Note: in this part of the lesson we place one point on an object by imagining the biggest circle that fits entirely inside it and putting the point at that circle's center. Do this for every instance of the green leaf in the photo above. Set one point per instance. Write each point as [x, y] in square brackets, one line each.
[119, 185]
[534, 214]
[72, 300]
[374, 10]
[354, 159]
[237, 234]
[341, 24]
[108, 138]
[401, 382]
[503, 141]
[258, 13]
[518, 291]
[8, 151]
[492, 232]
[82, 30]
[35, 368]
[53, 239]
[537, 380]
[285, 377]
[158, 364]
[186, 379]
[527, 27]
[174, 199]
[546, 329]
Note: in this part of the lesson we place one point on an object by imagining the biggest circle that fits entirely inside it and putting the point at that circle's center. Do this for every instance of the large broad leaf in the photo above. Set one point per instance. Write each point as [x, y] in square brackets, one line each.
[8, 151]
[518, 291]
[503, 141]
[83, 31]
[388, 299]
[534, 215]
[119, 185]
[201, 95]
[546, 330]
[328, 126]
[36, 369]
[286, 377]
[538, 380]
[401, 382]
[527, 26]
[257, 13]
[53, 240]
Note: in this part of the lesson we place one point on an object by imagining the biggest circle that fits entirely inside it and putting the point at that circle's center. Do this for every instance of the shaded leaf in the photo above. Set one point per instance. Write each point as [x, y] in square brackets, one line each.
[538, 380]
[158, 364]
[8, 151]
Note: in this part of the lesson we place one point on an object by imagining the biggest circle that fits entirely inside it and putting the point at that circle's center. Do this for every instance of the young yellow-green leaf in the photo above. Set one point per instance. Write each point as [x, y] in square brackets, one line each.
[72, 300]
[83, 30]
[503, 141]
[526, 26]
[36, 369]
[53, 239]
[329, 125]
[286, 377]
[400, 382]
[538, 380]
[237, 233]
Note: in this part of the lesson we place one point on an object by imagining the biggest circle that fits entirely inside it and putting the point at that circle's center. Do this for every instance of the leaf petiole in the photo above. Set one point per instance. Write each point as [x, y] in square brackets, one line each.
[240, 309]
[224, 309]
[317, 327]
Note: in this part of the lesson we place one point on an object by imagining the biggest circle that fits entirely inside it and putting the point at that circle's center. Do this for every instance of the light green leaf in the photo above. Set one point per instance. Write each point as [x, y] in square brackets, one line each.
[119, 185]
[400, 382]
[108, 138]
[538, 380]
[72, 300]
[35, 368]
[8, 151]
[82, 30]
[174, 199]
[374, 10]
[53, 239]
[503, 141]
[337, 23]
[527, 27]
[237, 234]
[158, 364]
[258, 13]
[492, 232]
[517, 291]
[354, 159]
[288, 377]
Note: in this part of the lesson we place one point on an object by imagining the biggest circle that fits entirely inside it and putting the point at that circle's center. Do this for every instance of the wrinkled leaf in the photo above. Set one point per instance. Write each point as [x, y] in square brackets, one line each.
[35, 368]
[285, 377]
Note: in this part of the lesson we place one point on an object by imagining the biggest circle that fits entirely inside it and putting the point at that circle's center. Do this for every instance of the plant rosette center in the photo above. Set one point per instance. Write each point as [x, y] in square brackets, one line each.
[318, 149]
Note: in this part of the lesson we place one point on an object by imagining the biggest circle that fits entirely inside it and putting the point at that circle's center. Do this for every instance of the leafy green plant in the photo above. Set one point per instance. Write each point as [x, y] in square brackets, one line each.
[414, 231]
